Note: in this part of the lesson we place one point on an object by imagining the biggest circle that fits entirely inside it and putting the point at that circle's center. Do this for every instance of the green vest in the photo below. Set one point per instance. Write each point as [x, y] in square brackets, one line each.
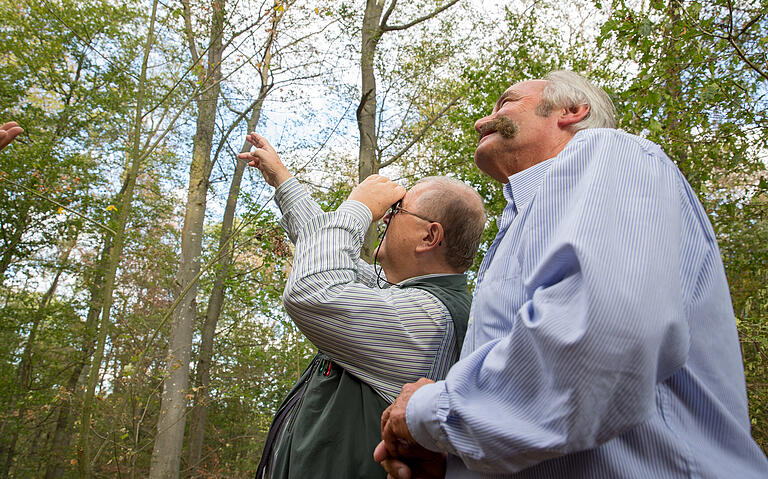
[330, 422]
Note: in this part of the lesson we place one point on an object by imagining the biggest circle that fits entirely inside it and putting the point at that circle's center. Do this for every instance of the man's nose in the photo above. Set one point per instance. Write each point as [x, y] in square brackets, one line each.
[482, 121]
[386, 217]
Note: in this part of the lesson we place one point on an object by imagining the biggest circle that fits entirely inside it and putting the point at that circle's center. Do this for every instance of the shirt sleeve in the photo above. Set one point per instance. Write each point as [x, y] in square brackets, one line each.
[603, 321]
[385, 337]
[296, 205]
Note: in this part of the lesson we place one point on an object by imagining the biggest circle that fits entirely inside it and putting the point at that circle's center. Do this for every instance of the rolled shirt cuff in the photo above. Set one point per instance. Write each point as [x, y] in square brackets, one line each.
[423, 413]
[288, 193]
[358, 212]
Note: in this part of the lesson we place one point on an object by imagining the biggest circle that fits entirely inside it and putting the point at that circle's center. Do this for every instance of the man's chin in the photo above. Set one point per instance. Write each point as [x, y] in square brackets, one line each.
[379, 255]
[482, 162]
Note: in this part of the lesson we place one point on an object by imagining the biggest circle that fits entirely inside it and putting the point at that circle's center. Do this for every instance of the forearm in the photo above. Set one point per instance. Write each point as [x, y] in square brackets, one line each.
[297, 207]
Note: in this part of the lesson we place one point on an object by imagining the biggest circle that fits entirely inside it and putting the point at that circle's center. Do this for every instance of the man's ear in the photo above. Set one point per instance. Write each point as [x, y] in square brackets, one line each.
[431, 238]
[574, 114]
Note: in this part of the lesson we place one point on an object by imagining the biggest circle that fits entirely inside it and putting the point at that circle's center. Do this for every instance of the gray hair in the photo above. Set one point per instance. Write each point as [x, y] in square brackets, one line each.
[567, 89]
[459, 209]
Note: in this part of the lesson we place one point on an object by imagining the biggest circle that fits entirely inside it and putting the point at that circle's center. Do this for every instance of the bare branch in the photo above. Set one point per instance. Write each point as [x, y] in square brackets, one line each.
[194, 64]
[385, 17]
[190, 32]
[403, 121]
[387, 28]
[264, 68]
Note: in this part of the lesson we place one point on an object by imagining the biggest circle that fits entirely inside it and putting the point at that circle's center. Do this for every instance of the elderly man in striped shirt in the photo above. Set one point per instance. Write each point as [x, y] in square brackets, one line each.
[371, 340]
[602, 340]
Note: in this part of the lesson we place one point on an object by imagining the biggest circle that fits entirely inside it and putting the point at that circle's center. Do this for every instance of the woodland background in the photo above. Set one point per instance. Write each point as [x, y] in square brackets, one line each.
[141, 332]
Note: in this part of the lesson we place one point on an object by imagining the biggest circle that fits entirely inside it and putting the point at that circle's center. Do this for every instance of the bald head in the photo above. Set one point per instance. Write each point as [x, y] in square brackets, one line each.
[459, 209]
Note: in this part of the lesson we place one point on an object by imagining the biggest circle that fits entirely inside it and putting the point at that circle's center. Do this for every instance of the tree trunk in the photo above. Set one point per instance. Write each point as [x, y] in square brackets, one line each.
[166, 455]
[368, 163]
[199, 414]
[83, 452]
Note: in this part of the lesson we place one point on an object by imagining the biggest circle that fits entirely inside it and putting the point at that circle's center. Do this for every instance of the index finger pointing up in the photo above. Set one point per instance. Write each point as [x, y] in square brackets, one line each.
[260, 142]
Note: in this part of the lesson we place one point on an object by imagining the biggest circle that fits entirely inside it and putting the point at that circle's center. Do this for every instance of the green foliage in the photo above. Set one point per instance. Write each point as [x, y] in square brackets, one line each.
[32, 411]
[526, 49]
[56, 85]
[692, 94]
[742, 228]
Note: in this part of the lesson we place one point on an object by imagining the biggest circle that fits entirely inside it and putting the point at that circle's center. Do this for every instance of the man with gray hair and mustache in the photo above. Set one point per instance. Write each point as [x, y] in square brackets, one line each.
[601, 341]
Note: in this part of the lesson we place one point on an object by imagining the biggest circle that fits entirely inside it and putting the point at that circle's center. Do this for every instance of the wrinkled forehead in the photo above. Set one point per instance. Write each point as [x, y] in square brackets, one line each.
[521, 90]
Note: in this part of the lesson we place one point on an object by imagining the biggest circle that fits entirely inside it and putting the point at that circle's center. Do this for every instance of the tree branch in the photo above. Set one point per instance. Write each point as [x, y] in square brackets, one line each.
[743, 56]
[731, 38]
[749, 24]
[385, 17]
[190, 33]
[387, 28]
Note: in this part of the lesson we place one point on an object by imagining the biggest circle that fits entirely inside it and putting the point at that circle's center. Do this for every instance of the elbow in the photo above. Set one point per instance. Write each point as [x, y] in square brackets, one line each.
[294, 297]
[304, 294]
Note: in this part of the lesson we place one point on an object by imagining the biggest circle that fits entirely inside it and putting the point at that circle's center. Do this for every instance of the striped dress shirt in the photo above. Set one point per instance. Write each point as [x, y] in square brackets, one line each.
[385, 337]
[602, 341]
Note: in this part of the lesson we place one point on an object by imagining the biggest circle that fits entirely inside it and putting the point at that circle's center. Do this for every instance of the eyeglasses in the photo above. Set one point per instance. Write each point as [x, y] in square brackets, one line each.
[381, 230]
[396, 208]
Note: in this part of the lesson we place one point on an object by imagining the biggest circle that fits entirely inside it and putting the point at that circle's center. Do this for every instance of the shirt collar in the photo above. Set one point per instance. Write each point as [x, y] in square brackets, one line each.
[425, 276]
[523, 185]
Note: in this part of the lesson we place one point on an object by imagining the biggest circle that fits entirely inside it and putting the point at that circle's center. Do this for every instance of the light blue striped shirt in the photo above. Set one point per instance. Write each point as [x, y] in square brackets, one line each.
[385, 337]
[602, 340]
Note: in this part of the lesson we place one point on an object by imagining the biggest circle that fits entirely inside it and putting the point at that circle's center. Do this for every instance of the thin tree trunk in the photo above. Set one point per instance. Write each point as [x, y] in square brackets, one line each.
[199, 414]
[366, 112]
[368, 163]
[83, 452]
[166, 455]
